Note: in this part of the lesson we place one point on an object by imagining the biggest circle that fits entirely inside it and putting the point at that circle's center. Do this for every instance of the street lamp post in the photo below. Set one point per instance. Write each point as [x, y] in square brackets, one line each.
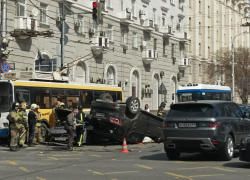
[233, 77]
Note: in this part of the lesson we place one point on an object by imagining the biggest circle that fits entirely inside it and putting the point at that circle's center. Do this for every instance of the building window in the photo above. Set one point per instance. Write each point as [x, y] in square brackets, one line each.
[21, 8]
[121, 5]
[199, 6]
[190, 46]
[81, 73]
[154, 16]
[208, 31]
[43, 13]
[190, 3]
[123, 36]
[173, 50]
[190, 24]
[133, 8]
[200, 69]
[217, 16]
[208, 51]
[45, 64]
[135, 39]
[135, 84]
[200, 49]
[208, 11]
[172, 2]
[109, 3]
[111, 75]
[155, 44]
[199, 27]
[163, 21]
[164, 47]
[110, 32]
[81, 24]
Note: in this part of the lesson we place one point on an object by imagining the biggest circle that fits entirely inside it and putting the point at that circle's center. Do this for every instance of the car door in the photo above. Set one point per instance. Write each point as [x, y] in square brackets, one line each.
[236, 121]
[247, 123]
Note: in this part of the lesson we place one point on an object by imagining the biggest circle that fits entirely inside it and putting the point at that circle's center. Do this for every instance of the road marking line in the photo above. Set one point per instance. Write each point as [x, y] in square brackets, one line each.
[146, 167]
[194, 168]
[222, 169]
[40, 178]
[178, 176]
[184, 162]
[122, 172]
[24, 169]
[98, 173]
[53, 158]
[96, 156]
[207, 175]
[12, 162]
[41, 154]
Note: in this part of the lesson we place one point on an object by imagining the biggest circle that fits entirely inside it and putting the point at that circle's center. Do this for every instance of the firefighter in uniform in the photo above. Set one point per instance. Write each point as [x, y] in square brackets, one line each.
[38, 137]
[80, 125]
[24, 124]
[54, 111]
[161, 113]
[62, 105]
[14, 121]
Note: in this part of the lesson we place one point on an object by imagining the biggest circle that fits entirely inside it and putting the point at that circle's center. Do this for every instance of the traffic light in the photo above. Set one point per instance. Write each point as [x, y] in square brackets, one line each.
[95, 4]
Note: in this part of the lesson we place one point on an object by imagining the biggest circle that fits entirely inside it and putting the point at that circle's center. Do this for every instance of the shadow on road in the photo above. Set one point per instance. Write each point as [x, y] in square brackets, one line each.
[243, 165]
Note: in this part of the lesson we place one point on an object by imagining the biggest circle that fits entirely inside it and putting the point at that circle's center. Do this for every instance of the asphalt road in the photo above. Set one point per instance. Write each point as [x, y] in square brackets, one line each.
[143, 162]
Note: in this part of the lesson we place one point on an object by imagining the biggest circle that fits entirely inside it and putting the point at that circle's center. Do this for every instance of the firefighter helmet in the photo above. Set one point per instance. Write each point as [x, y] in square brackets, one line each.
[62, 104]
[15, 104]
[33, 106]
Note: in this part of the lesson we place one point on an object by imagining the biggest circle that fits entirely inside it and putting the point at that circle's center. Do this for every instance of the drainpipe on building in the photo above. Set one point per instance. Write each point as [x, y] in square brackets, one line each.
[3, 24]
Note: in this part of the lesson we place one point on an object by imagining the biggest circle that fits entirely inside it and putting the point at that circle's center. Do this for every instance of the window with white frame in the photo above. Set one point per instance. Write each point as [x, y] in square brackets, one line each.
[111, 75]
[109, 3]
[21, 8]
[199, 6]
[200, 49]
[208, 31]
[163, 20]
[190, 21]
[81, 24]
[121, 4]
[133, 8]
[134, 39]
[172, 2]
[43, 13]
[208, 11]
[173, 50]
[43, 62]
[154, 16]
[110, 32]
[123, 36]
[199, 27]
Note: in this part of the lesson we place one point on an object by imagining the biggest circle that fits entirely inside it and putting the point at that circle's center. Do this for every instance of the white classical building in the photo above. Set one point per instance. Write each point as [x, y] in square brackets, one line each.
[140, 45]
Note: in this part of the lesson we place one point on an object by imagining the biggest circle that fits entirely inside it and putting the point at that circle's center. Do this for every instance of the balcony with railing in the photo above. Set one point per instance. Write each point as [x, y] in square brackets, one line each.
[125, 17]
[184, 63]
[148, 25]
[183, 36]
[25, 23]
[149, 56]
[99, 44]
[167, 31]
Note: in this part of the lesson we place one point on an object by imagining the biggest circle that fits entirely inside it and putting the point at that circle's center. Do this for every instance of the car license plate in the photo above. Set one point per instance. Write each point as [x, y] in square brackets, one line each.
[99, 114]
[187, 125]
[60, 139]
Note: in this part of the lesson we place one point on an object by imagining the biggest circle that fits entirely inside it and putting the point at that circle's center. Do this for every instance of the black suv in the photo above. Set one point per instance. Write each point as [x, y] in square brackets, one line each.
[204, 126]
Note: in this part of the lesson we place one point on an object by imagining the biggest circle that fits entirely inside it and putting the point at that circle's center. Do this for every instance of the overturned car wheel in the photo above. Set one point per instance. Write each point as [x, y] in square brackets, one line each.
[106, 97]
[133, 105]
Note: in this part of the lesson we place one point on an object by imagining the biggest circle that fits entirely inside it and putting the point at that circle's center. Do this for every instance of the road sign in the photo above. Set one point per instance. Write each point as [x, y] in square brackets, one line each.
[5, 67]
[65, 40]
[12, 66]
[66, 27]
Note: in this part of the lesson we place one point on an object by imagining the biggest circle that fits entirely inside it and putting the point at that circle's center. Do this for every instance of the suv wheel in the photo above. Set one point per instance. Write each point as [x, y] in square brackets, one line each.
[173, 154]
[133, 105]
[227, 152]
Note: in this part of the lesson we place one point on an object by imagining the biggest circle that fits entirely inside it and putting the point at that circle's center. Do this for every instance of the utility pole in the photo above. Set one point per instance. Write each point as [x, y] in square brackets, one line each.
[233, 73]
[3, 28]
[62, 34]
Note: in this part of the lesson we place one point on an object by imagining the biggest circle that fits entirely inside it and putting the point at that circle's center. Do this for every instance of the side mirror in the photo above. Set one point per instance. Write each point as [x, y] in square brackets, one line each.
[247, 114]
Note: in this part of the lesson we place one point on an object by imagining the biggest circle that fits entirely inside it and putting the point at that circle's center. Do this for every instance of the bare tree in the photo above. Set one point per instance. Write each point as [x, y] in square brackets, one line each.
[222, 66]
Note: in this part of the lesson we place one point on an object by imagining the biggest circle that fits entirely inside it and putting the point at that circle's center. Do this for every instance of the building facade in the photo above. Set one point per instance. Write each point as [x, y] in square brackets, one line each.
[139, 45]
[214, 24]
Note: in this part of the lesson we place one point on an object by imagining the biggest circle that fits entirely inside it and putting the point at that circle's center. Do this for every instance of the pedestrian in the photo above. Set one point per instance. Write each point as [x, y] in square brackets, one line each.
[23, 124]
[70, 126]
[32, 123]
[80, 125]
[147, 108]
[161, 113]
[14, 124]
[37, 137]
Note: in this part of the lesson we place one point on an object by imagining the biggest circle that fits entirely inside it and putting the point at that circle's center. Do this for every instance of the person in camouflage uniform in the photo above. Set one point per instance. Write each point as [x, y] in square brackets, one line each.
[38, 136]
[14, 121]
[23, 124]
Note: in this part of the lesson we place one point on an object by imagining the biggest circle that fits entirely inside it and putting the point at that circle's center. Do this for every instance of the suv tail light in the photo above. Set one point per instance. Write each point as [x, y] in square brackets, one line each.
[116, 121]
[214, 124]
[165, 124]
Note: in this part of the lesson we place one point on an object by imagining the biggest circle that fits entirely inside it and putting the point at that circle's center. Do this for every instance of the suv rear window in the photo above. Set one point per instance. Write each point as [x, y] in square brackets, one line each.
[191, 110]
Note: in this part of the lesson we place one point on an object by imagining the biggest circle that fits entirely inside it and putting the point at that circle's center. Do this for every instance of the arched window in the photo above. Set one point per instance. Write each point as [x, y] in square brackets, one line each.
[111, 75]
[135, 84]
[44, 62]
[81, 73]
